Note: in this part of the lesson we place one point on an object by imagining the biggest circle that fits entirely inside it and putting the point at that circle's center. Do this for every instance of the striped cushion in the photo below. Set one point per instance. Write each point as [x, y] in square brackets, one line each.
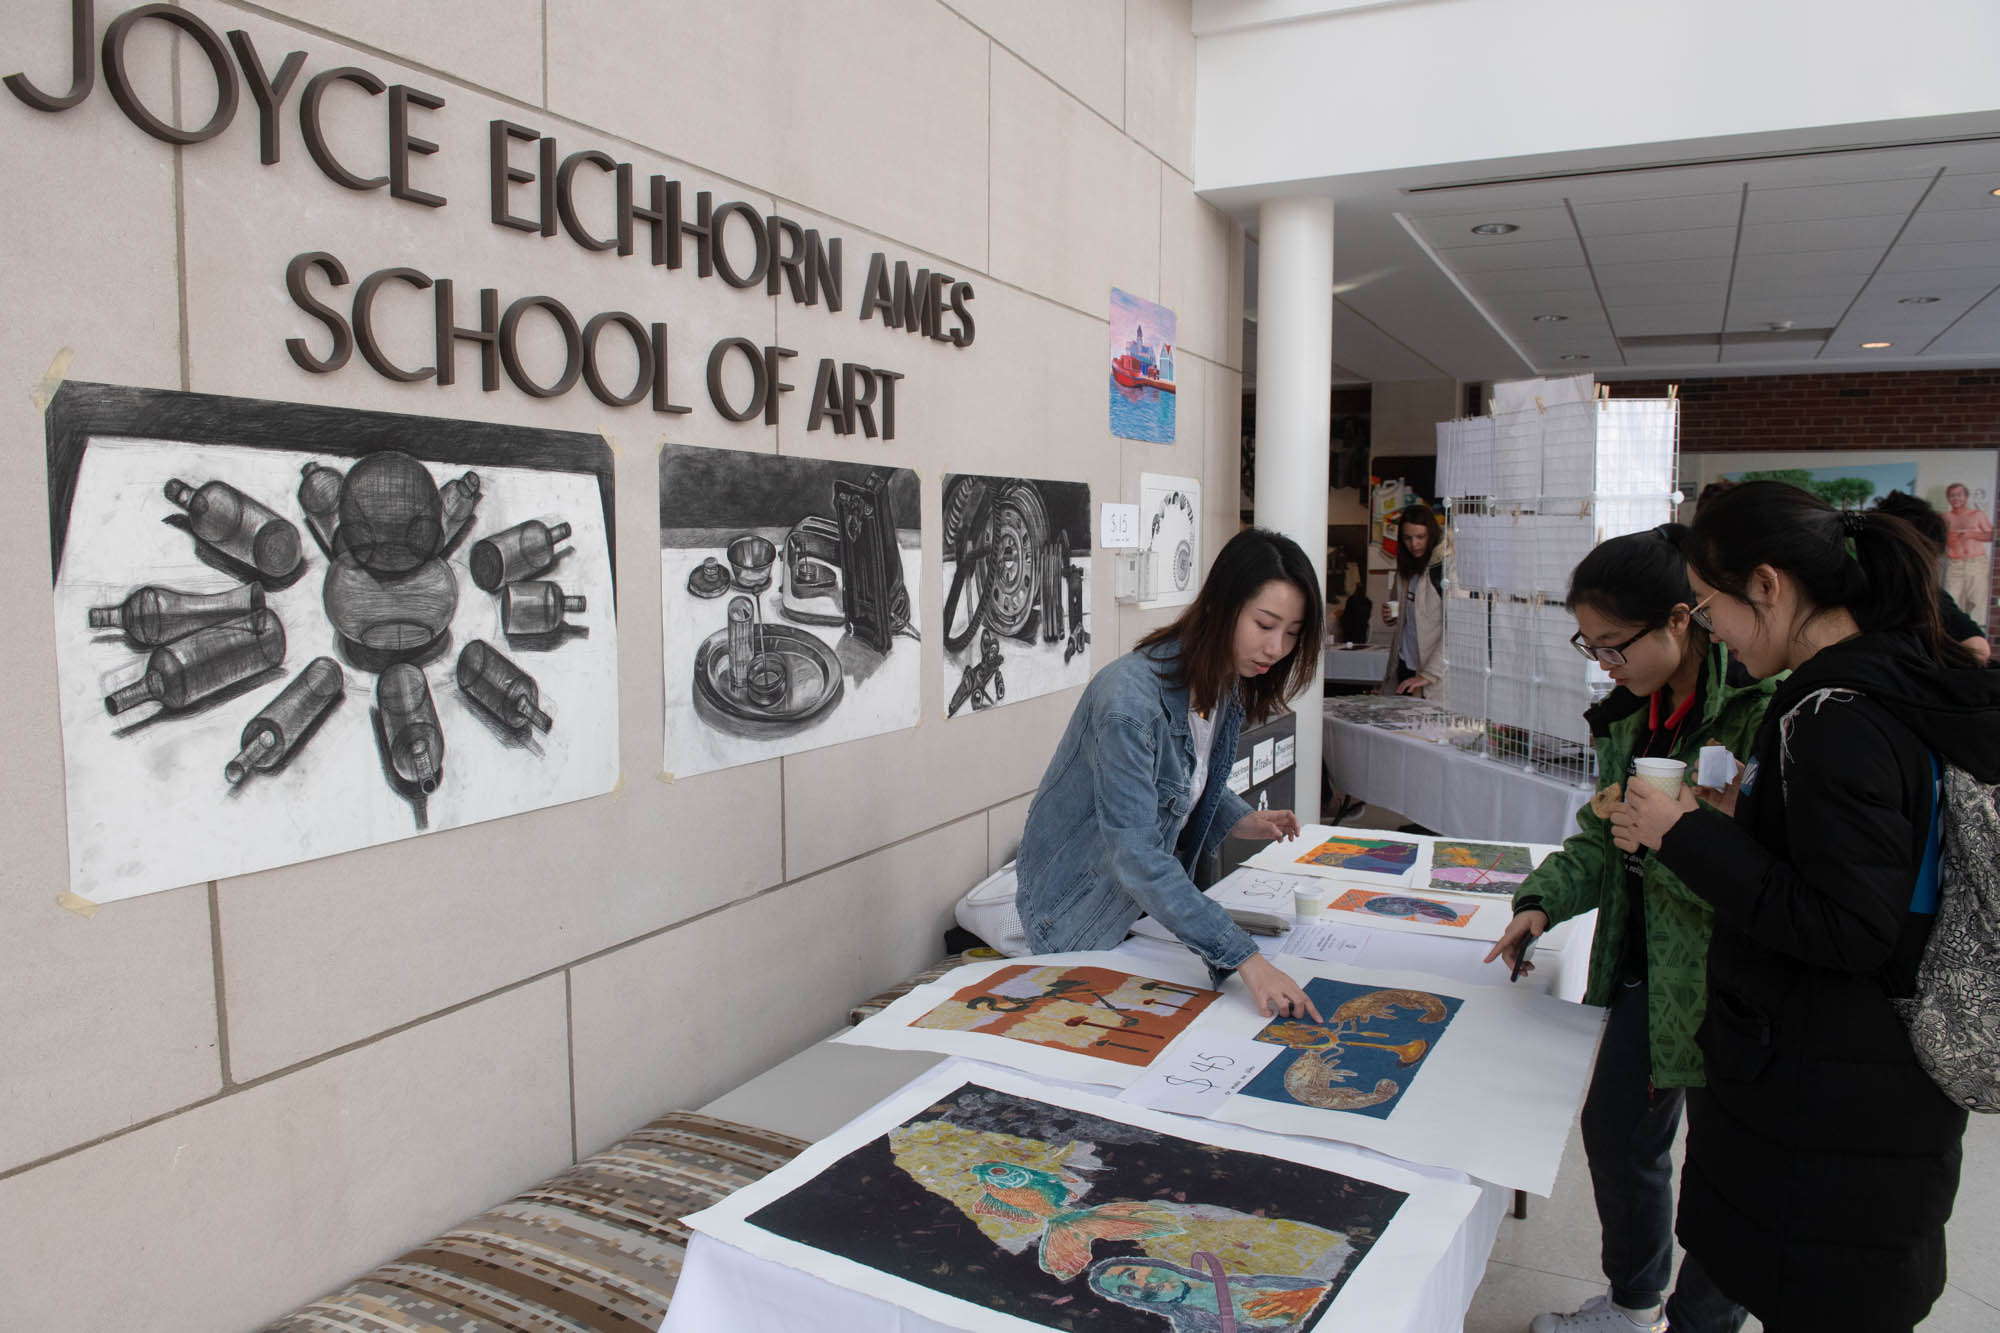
[874, 1005]
[595, 1248]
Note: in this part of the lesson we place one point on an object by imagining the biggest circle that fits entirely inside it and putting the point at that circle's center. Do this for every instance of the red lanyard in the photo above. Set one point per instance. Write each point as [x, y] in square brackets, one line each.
[1674, 719]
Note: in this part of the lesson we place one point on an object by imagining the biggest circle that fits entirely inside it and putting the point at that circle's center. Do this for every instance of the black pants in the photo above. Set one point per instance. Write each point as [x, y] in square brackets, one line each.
[1628, 1134]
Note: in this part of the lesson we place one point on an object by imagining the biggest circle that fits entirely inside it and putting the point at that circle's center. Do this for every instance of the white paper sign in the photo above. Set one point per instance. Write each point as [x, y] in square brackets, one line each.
[1262, 759]
[1325, 941]
[1287, 752]
[1194, 1078]
[1120, 526]
[1239, 776]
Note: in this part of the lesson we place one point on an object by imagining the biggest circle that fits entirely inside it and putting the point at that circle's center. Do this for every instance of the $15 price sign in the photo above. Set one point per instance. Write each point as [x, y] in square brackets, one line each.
[1196, 1076]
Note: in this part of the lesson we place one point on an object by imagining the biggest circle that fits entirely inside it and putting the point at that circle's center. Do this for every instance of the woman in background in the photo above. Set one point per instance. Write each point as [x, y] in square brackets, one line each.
[1416, 605]
[1675, 691]
[1822, 1161]
[1137, 791]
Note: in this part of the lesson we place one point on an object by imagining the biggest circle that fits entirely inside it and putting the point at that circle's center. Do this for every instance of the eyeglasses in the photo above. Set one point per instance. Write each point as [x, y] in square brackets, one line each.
[1699, 615]
[1614, 654]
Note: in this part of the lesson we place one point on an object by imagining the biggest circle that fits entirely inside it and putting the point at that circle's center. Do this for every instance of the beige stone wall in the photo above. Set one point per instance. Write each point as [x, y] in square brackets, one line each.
[222, 1099]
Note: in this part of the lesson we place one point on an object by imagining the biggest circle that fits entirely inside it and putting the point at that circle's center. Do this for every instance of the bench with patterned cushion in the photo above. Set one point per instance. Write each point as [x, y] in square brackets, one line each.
[875, 1004]
[597, 1247]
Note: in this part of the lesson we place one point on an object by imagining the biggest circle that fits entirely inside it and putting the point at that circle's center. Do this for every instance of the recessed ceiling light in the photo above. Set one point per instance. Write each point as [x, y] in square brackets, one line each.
[1576, 356]
[1993, 192]
[1550, 319]
[1917, 300]
[1503, 228]
[1878, 344]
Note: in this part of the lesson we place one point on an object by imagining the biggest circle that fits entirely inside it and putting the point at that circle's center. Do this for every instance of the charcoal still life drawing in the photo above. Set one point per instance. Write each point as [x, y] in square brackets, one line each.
[982, 1200]
[1017, 578]
[789, 604]
[285, 631]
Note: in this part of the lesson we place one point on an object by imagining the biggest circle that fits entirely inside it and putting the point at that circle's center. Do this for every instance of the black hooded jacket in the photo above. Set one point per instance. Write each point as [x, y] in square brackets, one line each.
[1821, 1152]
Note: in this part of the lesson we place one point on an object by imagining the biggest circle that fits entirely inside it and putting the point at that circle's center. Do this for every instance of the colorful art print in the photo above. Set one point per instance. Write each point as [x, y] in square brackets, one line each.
[1364, 1057]
[1068, 1220]
[1092, 1011]
[1403, 907]
[1142, 384]
[1480, 867]
[285, 630]
[1378, 856]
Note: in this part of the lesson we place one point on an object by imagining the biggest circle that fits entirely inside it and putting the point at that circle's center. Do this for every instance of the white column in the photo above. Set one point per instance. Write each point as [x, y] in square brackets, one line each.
[1294, 399]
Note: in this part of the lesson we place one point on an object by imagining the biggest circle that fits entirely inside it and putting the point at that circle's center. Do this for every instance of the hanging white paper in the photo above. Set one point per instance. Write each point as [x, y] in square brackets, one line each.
[1094, 1153]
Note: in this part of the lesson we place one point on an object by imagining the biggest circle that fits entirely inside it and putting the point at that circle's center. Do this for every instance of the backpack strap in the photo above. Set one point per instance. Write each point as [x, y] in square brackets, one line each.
[1924, 901]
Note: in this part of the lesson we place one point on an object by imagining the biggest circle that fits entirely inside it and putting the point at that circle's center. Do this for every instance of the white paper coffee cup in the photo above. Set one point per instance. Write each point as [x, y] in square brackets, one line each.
[1669, 775]
[1307, 902]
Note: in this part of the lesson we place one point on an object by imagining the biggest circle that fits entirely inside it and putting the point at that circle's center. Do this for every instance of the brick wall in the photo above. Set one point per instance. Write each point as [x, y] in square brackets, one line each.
[1914, 409]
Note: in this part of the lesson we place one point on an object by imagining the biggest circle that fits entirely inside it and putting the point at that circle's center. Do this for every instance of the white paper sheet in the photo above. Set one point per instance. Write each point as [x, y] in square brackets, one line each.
[1105, 1029]
[1492, 1093]
[1288, 857]
[1382, 1291]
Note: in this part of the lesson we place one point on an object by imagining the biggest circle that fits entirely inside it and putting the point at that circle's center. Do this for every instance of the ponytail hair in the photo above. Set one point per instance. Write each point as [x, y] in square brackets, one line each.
[1637, 579]
[1870, 563]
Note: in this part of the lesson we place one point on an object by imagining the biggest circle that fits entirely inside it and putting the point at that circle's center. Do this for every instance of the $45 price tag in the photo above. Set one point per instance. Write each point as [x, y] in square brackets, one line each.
[1196, 1076]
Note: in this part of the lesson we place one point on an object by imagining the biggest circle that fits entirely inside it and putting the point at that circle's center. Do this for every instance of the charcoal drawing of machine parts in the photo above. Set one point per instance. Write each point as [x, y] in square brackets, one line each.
[1016, 579]
[764, 678]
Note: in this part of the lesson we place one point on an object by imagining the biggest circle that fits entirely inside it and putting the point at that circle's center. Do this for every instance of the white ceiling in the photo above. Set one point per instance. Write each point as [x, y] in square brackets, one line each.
[1663, 260]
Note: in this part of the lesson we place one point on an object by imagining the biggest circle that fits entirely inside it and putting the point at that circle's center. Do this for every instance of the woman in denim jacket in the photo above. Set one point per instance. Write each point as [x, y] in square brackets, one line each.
[1137, 793]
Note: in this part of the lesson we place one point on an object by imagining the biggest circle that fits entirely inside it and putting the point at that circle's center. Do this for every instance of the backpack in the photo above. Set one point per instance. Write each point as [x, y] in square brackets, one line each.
[1953, 1015]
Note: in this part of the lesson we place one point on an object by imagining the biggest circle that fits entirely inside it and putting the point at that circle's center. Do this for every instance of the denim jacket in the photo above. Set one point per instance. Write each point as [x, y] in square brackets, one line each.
[1098, 850]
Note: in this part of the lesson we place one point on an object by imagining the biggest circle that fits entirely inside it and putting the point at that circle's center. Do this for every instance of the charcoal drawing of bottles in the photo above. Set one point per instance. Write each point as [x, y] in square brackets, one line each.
[410, 730]
[501, 687]
[536, 608]
[516, 553]
[202, 664]
[229, 521]
[152, 615]
[387, 591]
[271, 738]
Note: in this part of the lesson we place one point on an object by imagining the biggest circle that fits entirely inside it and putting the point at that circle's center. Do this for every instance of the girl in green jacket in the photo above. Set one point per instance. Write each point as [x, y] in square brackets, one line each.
[1675, 692]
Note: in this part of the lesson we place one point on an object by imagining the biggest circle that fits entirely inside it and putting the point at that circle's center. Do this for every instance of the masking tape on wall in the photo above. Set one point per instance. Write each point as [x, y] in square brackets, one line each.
[83, 907]
[58, 372]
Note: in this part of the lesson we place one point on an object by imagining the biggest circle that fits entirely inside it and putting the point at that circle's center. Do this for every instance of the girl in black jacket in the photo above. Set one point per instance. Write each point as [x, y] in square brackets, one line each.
[1822, 1161]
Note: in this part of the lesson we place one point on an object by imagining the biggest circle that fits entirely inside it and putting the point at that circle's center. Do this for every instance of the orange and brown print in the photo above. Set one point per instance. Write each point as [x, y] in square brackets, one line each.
[1092, 1011]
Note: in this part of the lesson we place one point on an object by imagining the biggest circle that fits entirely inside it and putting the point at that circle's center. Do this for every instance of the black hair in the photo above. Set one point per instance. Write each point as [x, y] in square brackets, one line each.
[1872, 564]
[1637, 579]
[1916, 512]
[1407, 564]
[1206, 631]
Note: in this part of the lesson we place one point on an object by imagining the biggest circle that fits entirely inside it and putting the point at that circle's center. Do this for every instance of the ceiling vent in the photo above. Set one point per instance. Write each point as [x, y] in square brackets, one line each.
[1694, 341]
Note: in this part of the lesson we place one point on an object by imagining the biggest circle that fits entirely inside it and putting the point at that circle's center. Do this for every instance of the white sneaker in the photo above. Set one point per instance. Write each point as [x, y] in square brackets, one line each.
[1599, 1315]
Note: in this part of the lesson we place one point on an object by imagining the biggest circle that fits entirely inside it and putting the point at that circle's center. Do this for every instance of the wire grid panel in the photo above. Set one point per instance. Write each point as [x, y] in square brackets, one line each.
[1569, 451]
[1465, 457]
[1466, 659]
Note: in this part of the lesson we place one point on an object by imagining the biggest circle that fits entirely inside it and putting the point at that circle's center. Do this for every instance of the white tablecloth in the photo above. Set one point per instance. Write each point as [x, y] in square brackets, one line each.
[825, 1086]
[1442, 787]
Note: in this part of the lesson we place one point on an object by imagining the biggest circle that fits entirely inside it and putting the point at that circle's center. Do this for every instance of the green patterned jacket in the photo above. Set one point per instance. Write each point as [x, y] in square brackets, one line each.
[1589, 872]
